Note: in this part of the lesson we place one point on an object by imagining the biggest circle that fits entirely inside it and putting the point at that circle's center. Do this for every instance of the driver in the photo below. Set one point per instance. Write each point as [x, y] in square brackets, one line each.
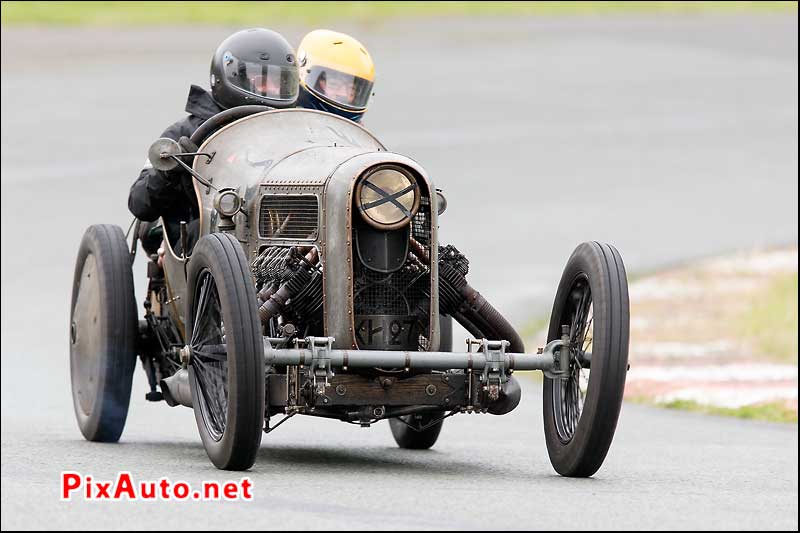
[336, 74]
[255, 66]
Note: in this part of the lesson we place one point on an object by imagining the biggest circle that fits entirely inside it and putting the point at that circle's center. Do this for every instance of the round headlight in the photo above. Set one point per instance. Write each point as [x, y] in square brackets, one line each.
[388, 197]
[227, 203]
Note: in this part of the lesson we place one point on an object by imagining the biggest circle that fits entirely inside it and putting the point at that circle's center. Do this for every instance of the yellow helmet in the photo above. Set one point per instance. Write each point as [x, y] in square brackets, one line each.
[336, 73]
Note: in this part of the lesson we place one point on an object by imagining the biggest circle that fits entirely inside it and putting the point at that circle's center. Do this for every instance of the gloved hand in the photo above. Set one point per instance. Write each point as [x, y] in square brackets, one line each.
[186, 145]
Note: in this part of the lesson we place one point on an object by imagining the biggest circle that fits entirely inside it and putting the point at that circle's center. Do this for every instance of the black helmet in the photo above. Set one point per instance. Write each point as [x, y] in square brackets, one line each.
[255, 66]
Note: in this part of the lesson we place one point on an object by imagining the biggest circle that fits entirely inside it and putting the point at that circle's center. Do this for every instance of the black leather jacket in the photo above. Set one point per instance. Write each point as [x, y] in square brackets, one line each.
[154, 195]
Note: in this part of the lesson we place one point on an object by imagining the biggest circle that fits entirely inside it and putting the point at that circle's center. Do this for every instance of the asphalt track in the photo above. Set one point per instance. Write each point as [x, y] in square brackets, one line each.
[672, 138]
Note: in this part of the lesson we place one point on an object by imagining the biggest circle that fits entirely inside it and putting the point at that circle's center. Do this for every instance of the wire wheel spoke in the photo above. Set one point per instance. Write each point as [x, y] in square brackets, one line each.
[569, 393]
[213, 352]
[210, 356]
[212, 381]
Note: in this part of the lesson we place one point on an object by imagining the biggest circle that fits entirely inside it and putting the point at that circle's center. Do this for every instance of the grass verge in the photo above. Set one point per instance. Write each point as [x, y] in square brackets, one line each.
[530, 330]
[771, 321]
[769, 412]
[765, 412]
[266, 13]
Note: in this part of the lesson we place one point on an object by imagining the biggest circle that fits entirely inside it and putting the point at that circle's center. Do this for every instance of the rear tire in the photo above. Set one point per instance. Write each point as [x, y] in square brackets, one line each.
[411, 439]
[592, 299]
[226, 373]
[407, 437]
[103, 331]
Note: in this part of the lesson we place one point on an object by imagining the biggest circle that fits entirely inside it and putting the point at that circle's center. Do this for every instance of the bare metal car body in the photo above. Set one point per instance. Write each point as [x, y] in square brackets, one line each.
[291, 154]
[352, 317]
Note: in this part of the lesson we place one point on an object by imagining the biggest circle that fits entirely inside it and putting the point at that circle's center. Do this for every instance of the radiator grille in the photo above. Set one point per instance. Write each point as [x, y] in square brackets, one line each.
[398, 293]
[421, 223]
[404, 292]
[289, 217]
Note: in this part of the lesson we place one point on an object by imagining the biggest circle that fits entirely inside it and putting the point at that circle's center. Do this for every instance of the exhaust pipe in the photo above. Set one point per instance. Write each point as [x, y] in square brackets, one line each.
[274, 301]
[458, 299]
[176, 389]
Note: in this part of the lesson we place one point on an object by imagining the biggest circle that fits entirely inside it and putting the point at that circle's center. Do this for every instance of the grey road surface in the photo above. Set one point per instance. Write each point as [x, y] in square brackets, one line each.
[672, 138]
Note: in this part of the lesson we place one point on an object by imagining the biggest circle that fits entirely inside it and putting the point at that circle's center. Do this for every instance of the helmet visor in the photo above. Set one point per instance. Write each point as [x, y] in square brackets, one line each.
[340, 88]
[261, 79]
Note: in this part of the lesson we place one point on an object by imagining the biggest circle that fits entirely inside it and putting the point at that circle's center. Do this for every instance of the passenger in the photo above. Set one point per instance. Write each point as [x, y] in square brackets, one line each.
[336, 74]
[255, 66]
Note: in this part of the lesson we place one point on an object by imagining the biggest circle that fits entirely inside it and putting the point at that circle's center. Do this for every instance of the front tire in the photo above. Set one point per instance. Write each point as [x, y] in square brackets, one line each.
[103, 330]
[581, 411]
[226, 370]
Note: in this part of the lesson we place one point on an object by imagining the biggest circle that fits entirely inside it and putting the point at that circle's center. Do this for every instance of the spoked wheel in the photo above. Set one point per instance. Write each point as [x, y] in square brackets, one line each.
[569, 395]
[103, 331]
[581, 408]
[226, 369]
[209, 357]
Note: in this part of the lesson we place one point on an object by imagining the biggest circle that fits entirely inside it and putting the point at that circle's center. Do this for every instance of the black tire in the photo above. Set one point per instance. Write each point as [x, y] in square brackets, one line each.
[579, 430]
[413, 439]
[226, 371]
[103, 331]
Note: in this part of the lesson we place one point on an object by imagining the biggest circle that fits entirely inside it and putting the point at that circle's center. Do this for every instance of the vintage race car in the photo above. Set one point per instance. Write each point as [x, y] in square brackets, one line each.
[318, 286]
